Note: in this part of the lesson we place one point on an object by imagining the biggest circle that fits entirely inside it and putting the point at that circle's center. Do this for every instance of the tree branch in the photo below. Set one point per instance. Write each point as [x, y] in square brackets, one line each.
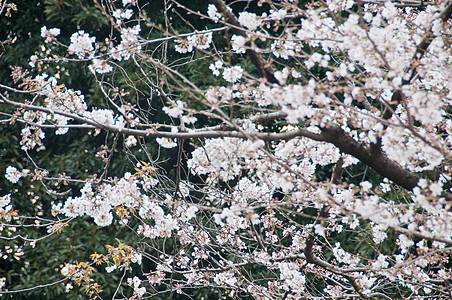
[421, 49]
[265, 69]
[401, 3]
[313, 259]
[335, 135]
[374, 158]
[194, 134]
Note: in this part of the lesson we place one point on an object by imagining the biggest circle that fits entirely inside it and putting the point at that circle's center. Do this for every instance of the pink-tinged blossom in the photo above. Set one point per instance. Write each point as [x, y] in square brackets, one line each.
[101, 116]
[213, 13]
[5, 210]
[33, 61]
[426, 107]
[130, 141]
[58, 99]
[247, 189]
[12, 174]
[31, 138]
[277, 14]
[225, 278]
[239, 211]
[149, 183]
[238, 44]
[164, 224]
[436, 188]
[401, 146]
[184, 189]
[111, 268]
[378, 234]
[216, 67]
[176, 111]
[293, 280]
[405, 243]
[5, 200]
[184, 46]
[249, 20]
[188, 119]
[155, 278]
[194, 278]
[338, 5]
[380, 262]
[50, 34]
[186, 214]
[129, 44]
[68, 269]
[200, 40]
[221, 94]
[322, 60]
[366, 186]
[167, 142]
[389, 11]
[319, 229]
[284, 49]
[315, 153]
[103, 219]
[123, 14]
[98, 203]
[73, 207]
[135, 282]
[282, 75]
[232, 74]
[100, 66]
[223, 157]
[82, 44]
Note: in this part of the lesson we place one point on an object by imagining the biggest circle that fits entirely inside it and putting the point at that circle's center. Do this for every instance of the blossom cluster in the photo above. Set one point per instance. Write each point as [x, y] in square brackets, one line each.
[199, 41]
[100, 203]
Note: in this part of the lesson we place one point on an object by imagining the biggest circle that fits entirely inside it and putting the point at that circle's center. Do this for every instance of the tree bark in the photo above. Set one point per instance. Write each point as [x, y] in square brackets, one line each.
[371, 156]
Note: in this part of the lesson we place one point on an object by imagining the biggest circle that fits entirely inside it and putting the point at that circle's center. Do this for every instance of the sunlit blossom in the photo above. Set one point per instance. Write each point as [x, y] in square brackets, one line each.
[100, 66]
[49, 34]
[238, 43]
[213, 13]
[12, 174]
[184, 46]
[82, 44]
[249, 20]
[232, 74]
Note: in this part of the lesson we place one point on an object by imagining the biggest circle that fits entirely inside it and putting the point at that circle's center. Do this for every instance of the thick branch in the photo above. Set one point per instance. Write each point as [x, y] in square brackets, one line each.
[375, 159]
[397, 97]
[337, 171]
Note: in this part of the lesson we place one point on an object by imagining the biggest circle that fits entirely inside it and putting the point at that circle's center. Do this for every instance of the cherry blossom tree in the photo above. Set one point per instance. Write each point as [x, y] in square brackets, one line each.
[312, 161]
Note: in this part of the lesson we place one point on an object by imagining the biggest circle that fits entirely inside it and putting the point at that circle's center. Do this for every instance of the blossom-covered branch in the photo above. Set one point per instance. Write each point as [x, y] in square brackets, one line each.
[271, 151]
